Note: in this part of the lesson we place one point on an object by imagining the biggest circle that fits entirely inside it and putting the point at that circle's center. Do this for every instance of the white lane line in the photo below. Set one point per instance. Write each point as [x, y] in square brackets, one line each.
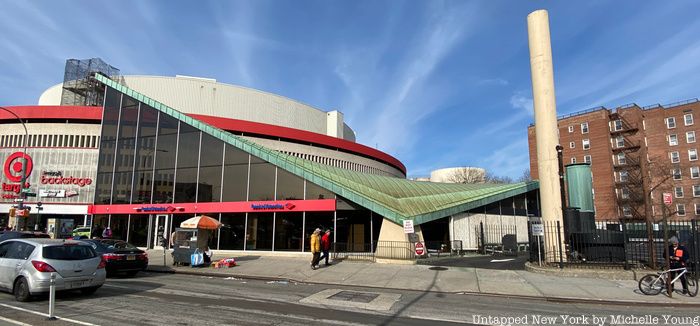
[12, 321]
[501, 260]
[46, 315]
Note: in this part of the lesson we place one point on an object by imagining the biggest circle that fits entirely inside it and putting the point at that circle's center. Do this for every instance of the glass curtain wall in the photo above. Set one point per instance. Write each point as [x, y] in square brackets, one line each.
[126, 145]
[145, 155]
[187, 161]
[210, 169]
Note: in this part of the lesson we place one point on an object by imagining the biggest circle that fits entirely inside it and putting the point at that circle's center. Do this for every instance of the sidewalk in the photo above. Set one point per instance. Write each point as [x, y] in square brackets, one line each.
[462, 280]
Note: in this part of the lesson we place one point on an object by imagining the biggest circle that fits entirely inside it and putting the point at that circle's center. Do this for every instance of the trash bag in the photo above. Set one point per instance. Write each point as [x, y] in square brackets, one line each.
[197, 258]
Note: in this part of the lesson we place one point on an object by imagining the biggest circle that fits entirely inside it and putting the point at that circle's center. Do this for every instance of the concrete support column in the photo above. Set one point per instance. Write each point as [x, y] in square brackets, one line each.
[546, 130]
[394, 243]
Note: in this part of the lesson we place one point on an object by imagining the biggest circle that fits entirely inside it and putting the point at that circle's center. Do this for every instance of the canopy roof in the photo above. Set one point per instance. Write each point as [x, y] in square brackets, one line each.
[394, 198]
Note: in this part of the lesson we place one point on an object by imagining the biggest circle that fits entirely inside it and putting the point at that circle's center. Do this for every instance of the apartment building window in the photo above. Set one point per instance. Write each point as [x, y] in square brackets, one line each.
[625, 193]
[696, 191]
[617, 125]
[675, 157]
[690, 137]
[584, 128]
[688, 119]
[670, 123]
[573, 160]
[676, 173]
[621, 160]
[624, 176]
[587, 159]
[680, 208]
[697, 209]
[586, 144]
[679, 192]
[694, 172]
[571, 129]
[620, 141]
[572, 145]
[626, 211]
[693, 154]
[672, 140]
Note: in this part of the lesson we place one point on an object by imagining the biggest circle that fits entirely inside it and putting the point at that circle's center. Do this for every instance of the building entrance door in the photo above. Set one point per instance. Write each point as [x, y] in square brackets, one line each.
[160, 230]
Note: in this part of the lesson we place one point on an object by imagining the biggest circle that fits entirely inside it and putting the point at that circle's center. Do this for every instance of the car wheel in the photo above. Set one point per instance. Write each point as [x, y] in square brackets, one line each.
[21, 290]
[89, 290]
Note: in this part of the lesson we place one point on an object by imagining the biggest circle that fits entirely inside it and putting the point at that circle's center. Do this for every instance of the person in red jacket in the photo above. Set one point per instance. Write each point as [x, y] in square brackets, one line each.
[326, 246]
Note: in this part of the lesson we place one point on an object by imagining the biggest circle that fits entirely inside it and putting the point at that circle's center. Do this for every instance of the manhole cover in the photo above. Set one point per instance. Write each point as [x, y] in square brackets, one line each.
[363, 297]
[437, 268]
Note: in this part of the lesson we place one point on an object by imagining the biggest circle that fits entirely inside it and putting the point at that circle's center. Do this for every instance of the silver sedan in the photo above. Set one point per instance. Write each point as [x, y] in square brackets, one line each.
[26, 266]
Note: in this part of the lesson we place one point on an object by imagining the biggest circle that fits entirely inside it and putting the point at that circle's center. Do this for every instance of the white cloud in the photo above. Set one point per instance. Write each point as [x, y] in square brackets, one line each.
[510, 160]
[493, 81]
[521, 102]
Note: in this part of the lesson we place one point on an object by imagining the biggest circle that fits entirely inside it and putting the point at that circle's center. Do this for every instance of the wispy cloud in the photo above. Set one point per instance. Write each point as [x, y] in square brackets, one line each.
[493, 81]
[521, 102]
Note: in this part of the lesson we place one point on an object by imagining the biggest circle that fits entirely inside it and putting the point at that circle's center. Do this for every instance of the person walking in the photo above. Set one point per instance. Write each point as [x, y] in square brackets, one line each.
[325, 246]
[678, 256]
[315, 248]
[107, 233]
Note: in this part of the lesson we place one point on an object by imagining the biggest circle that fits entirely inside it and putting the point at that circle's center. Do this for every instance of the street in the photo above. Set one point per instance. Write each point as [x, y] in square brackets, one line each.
[170, 299]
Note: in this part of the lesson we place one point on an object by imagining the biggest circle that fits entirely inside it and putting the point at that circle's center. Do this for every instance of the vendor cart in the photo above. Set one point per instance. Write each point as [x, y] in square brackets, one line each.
[184, 243]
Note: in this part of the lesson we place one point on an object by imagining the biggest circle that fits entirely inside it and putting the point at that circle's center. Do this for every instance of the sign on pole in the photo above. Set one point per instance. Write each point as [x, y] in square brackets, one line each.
[408, 226]
[668, 198]
[537, 229]
[420, 249]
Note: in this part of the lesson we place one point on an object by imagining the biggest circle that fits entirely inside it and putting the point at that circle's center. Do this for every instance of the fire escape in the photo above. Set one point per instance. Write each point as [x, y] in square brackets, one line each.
[627, 156]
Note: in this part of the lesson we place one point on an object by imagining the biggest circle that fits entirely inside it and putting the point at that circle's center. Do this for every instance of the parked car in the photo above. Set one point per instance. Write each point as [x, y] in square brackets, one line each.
[26, 266]
[83, 231]
[7, 235]
[120, 256]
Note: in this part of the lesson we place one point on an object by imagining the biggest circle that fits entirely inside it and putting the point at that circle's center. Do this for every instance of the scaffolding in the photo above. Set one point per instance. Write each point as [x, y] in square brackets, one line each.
[79, 85]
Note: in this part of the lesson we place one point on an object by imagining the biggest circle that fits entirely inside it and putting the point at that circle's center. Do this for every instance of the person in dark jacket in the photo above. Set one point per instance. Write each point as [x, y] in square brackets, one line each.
[678, 256]
[325, 246]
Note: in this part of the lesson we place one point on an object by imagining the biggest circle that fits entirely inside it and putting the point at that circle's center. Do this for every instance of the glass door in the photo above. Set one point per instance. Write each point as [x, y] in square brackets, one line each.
[160, 230]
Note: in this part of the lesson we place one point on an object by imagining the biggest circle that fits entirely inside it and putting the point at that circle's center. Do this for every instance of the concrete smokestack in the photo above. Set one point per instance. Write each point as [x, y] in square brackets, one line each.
[546, 131]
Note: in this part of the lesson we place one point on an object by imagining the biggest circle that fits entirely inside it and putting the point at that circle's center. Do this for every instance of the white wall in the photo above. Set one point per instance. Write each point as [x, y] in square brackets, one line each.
[465, 227]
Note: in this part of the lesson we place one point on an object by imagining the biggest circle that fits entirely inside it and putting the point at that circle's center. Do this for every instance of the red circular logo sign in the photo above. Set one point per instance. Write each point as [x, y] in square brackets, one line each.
[420, 250]
[13, 166]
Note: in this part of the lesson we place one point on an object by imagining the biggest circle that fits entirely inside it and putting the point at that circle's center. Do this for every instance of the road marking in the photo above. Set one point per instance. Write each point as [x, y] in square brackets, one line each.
[12, 321]
[273, 314]
[47, 315]
[501, 260]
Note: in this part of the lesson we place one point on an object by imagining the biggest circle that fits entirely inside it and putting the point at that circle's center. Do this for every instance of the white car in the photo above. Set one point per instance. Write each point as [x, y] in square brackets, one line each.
[26, 266]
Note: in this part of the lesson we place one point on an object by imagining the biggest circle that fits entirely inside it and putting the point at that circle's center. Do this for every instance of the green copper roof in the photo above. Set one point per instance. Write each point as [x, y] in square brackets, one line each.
[394, 198]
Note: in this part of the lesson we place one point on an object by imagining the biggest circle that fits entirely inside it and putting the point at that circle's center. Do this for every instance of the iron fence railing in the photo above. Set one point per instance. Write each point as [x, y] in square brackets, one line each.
[499, 238]
[614, 244]
[402, 250]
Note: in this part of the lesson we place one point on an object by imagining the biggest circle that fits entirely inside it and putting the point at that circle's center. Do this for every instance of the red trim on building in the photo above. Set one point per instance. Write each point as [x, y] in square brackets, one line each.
[316, 205]
[296, 134]
[232, 125]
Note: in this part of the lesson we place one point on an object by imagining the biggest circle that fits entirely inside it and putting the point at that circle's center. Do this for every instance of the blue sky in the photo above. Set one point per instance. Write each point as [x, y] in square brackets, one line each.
[434, 83]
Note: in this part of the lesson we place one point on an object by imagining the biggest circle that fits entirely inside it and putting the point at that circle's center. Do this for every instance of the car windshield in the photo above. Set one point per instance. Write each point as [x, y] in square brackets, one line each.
[35, 235]
[69, 252]
[121, 245]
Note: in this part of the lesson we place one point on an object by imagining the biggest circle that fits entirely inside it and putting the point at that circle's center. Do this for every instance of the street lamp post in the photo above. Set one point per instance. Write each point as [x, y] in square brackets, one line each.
[23, 180]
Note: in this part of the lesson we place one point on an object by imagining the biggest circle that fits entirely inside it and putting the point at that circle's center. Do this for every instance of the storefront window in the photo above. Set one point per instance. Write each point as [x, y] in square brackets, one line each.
[262, 180]
[520, 205]
[353, 229]
[138, 230]
[235, 174]
[119, 225]
[186, 185]
[507, 208]
[315, 192]
[321, 220]
[288, 231]
[210, 168]
[232, 233]
[259, 233]
[289, 186]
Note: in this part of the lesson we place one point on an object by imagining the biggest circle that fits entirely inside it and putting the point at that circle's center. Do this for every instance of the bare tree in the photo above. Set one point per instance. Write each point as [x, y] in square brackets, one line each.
[467, 175]
[492, 178]
[525, 177]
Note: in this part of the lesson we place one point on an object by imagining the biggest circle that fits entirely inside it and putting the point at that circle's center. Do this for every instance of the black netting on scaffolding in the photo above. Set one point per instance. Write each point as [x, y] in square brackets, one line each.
[79, 88]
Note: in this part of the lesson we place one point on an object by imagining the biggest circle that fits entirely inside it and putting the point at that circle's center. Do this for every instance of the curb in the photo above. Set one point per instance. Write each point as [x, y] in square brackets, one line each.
[497, 295]
[613, 274]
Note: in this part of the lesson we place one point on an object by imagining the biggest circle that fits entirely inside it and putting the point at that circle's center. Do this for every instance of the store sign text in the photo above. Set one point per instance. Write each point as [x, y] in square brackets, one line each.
[159, 209]
[57, 178]
[272, 206]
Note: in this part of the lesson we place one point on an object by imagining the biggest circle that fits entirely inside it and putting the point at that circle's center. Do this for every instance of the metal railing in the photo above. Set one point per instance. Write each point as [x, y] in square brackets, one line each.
[615, 244]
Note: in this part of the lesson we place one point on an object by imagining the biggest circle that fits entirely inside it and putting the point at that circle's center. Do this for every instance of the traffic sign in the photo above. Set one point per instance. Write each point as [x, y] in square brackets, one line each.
[420, 249]
[30, 194]
[537, 229]
[668, 198]
[408, 226]
[26, 190]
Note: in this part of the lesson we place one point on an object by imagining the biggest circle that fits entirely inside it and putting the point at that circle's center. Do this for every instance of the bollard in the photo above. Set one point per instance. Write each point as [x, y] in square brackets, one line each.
[52, 297]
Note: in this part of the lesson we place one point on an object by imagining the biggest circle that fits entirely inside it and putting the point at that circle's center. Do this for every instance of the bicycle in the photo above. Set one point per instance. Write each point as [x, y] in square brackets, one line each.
[653, 284]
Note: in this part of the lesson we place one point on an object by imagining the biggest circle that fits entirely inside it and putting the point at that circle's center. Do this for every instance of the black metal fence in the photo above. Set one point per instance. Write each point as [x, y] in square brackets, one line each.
[613, 244]
[401, 250]
[499, 239]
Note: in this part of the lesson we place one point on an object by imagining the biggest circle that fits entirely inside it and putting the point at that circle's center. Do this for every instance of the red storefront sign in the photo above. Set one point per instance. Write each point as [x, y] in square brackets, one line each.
[316, 205]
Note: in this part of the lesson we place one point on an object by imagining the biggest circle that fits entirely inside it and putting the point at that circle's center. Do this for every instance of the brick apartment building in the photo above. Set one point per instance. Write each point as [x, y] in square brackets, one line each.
[634, 151]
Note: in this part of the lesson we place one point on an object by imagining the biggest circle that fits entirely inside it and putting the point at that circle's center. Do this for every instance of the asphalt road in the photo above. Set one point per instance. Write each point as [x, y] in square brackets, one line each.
[500, 262]
[166, 299]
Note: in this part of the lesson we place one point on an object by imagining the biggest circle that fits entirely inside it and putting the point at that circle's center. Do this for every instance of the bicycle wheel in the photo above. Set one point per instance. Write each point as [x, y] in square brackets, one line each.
[692, 285]
[651, 284]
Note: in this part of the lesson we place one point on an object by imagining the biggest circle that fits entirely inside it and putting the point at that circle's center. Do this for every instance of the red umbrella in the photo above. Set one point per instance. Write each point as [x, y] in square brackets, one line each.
[201, 222]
